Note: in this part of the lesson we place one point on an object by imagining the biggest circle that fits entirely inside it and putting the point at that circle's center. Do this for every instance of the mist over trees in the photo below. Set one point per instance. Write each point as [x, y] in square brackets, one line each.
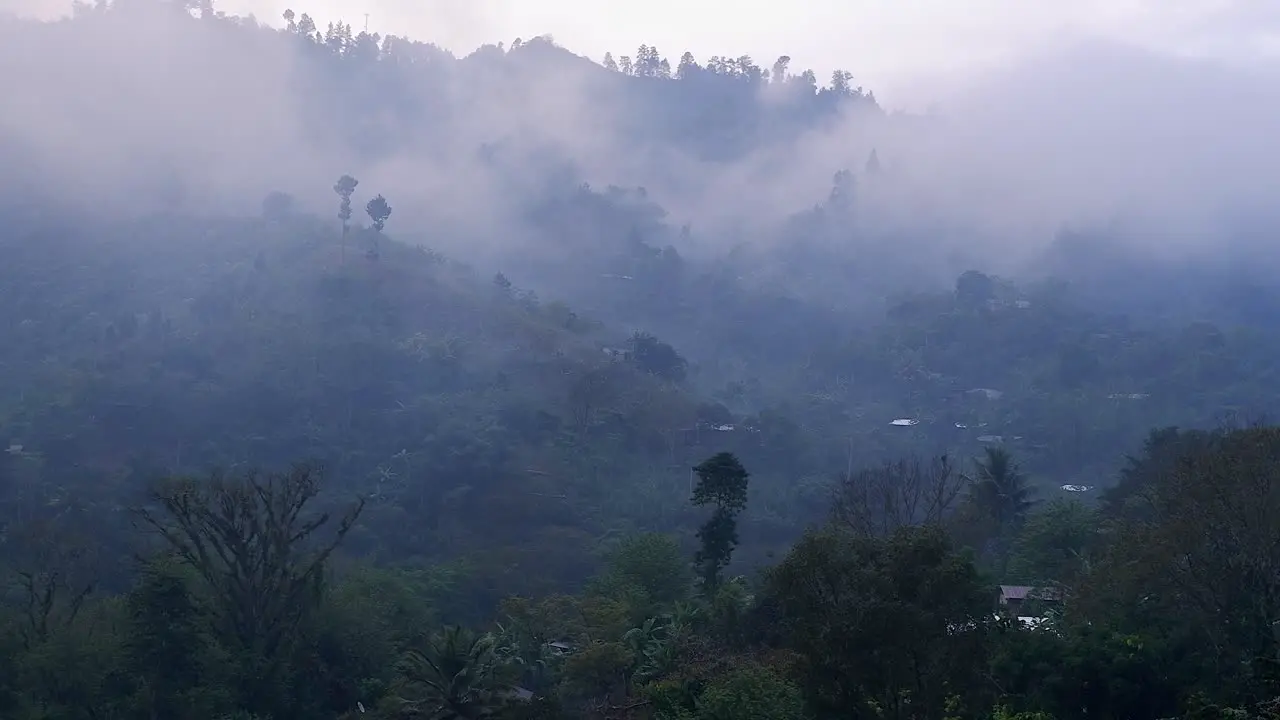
[344, 377]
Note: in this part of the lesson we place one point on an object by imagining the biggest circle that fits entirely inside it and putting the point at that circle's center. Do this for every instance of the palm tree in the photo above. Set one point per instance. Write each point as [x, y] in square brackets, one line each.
[529, 657]
[457, 676]
[1000, 490]
[999, 493]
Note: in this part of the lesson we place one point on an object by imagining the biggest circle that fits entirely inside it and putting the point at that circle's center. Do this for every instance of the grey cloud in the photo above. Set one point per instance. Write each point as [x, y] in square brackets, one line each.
[1082, 134]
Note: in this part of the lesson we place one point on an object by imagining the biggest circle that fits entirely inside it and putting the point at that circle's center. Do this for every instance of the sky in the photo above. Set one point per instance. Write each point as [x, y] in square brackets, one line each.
[906, 51]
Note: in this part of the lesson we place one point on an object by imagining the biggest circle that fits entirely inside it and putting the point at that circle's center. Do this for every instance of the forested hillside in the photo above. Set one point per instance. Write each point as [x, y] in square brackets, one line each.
[343, 377]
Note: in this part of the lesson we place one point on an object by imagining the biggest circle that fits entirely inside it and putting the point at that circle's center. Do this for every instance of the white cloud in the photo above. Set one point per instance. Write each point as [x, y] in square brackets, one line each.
[1069, 137]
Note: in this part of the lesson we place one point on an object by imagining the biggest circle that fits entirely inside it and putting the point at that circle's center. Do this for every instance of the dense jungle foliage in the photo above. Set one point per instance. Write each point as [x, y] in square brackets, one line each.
[296, 464]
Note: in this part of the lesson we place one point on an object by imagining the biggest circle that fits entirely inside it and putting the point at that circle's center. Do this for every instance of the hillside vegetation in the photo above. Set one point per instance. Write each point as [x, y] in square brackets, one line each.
[416, 409]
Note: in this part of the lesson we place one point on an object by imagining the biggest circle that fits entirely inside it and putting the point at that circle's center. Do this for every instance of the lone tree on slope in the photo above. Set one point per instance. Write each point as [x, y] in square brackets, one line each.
[379, 210]
[345, 187]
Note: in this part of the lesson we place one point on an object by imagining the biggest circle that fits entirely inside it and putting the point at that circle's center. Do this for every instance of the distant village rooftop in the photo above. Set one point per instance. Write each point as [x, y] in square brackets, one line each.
[1013, 595]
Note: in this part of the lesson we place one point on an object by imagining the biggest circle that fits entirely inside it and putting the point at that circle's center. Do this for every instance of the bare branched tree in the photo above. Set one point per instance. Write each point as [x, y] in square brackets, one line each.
[876, 501]
[252, 543]
[54, 577]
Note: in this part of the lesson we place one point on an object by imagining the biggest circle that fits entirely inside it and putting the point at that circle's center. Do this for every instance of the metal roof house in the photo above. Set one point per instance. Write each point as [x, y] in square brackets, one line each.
[1014, 597]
